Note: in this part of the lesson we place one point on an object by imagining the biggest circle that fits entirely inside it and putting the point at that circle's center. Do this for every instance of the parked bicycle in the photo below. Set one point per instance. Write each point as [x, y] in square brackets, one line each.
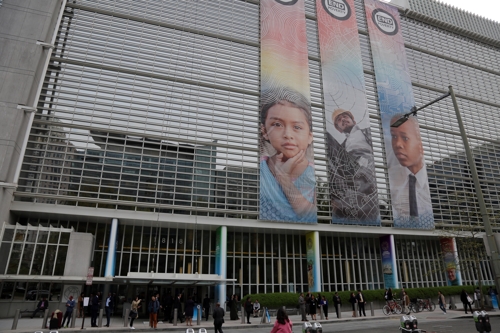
[426, 304]
[392, 307]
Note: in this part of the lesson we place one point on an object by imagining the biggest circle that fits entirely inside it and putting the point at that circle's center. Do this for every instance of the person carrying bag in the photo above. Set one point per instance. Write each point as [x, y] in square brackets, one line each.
[133, 311]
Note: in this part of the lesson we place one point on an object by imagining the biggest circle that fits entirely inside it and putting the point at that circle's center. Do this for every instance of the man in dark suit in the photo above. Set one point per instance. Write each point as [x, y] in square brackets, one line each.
[42, 306]
[336, 302]
[218, 318]
[361, 302]
[178, 306]
[206, 305]
[96, 303]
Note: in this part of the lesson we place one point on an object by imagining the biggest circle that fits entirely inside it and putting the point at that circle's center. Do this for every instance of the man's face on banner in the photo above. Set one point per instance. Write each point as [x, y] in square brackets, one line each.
[407, 145]
[344, 123]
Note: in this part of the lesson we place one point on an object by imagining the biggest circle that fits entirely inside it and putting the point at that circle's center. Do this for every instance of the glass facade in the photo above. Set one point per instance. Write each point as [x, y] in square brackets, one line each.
[151, 108]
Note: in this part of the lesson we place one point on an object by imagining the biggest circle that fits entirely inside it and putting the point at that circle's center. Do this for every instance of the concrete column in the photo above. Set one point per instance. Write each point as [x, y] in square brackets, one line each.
[221, 263]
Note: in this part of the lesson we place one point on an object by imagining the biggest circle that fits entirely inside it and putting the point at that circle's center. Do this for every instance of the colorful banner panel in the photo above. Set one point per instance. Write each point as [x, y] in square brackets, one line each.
[450, 256]
[221, 262]
[313, 262]
[287, 180]
[352, 182]
[410, 196]
[389, 268]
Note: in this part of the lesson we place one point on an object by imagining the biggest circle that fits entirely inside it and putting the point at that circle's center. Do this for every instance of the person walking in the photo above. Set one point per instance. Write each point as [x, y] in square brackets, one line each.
[206, 306]
[248, 309]
[361, 303]
[233, 307]
[218, 316]
[153, 308]
[302, 306]
[96, 302]
[41, 306]
[134, 310]
[109, 308]
[79, 305]
[324, 305]
[353, 300]
[189, 311]
[313, 304]
[70, 305]
[442, 302]
[406, 302]
[466, 300]
[477, 297]
[282, 324]
[336, 303]
[178, 306]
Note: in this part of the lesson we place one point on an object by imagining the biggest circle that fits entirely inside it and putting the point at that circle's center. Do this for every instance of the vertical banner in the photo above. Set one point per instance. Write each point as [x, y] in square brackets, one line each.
[313, 261]
[410, 196]
[353, 186]
[287, 180]
[221, 263]
[389, 268]
[450, 257]
[109, 271]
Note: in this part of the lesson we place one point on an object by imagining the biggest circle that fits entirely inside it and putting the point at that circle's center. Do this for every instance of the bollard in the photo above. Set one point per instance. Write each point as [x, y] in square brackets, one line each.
[262, 320]
[99, 324]
[242, 317]
[175, 316]
[372, 310]
[321, 313]
[340, 311]
[16, 319]
[45, 317]
[125, 317]
[73, 319]
[356, 311]
[198, 316]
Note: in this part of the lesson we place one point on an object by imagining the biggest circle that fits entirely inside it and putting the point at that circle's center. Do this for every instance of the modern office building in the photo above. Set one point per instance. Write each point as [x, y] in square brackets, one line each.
[130, 144]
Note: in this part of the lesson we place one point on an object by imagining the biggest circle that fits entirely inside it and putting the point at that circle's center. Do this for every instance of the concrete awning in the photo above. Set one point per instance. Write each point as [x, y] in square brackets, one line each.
[173, 279]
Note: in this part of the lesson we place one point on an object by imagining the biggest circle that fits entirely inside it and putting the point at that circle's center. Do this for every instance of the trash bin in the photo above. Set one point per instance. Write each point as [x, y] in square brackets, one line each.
[317, 328]
[486, 321]
[478, 319]
[405, 322]
[306, 327]
[413, 322]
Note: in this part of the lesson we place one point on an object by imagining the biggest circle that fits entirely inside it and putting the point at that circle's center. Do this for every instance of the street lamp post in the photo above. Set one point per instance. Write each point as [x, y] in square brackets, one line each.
[495, 256]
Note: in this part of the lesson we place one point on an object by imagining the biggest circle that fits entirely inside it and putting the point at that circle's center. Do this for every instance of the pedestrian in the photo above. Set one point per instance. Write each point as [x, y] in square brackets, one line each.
[308, 303]
[324, 305]
[79, 305]
[96, 301]
[189, 311]
[256, 308]
[406, 303]
[442, 302]
[168, 307]
[389, 296]
[361, 303]
[233, 307]
[178, 306]
[402, 294]
[466, 300]
[206, 305]
[282, 324]
[353, 300]
[153, 308]
[477, 297]
[41, 306]
[218, 316]
[302, 306]
[337, 302]
[134, 310]
[70, 305]
[313, 304]
[109, 308]
[248, 309]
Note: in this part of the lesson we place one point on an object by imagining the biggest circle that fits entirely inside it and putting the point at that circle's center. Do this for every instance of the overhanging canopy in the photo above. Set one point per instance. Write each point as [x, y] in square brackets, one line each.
[173, 279]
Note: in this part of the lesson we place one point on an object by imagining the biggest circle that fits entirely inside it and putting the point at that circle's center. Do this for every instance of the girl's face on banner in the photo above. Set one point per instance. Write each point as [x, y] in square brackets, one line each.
[287, 129]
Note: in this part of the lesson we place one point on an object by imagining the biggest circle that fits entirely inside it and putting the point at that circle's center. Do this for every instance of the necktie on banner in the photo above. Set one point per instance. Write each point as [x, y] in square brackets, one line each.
[411, 204]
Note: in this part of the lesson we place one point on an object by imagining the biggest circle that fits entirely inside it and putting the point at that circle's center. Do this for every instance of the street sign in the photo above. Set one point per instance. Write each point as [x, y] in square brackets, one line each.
[90, 276]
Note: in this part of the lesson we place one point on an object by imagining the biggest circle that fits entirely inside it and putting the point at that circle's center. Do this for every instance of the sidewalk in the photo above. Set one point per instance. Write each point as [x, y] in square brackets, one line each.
[27, 325]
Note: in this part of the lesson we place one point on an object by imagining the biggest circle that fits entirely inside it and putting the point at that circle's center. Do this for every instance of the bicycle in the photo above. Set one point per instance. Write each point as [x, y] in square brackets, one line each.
[392, 307]
[413, 307]
[426, 304]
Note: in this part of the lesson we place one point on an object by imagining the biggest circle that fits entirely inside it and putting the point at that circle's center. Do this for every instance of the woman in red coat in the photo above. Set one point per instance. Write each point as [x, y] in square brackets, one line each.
[282, 324]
